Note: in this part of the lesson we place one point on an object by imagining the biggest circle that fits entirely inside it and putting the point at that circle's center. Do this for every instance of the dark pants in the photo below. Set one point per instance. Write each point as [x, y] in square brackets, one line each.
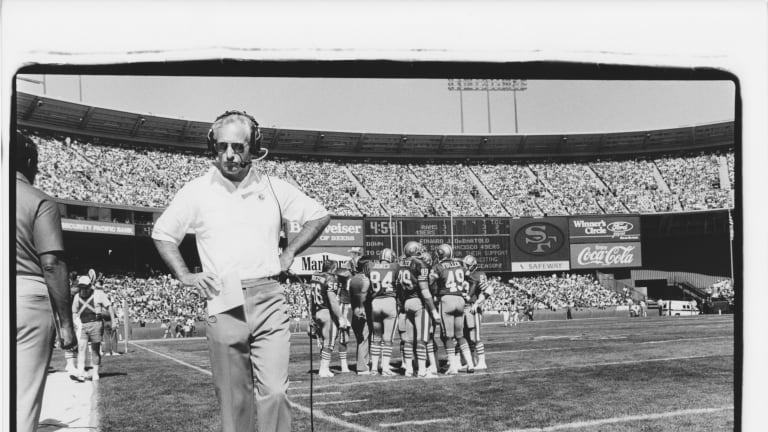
[363, 328]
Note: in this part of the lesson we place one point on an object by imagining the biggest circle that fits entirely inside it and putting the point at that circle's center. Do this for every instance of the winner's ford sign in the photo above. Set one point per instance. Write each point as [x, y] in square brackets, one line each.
[604, 229]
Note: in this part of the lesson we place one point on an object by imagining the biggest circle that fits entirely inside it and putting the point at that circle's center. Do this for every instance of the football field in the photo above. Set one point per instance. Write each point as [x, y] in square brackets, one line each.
[628, 374]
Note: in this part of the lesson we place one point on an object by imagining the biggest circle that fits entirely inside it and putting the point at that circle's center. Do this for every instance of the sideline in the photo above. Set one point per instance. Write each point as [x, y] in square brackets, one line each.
[318, 414]
[624, 419]
[68, 405]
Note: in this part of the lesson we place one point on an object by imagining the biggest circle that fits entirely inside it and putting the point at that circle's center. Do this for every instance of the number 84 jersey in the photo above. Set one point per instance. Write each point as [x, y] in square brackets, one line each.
[450, 275]
[383, 276]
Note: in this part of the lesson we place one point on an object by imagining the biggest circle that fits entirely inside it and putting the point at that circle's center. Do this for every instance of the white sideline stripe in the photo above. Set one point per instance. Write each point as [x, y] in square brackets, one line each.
[341, 401]
[319, 414]
[415, 422]
[181, 362]
[593, 423]
[597, 346]
[376, 411]
[315, 394]
[512, 371]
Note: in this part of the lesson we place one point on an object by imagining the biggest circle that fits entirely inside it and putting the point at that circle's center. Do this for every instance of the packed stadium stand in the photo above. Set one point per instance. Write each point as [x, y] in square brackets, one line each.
[149, 178]
[96, 157]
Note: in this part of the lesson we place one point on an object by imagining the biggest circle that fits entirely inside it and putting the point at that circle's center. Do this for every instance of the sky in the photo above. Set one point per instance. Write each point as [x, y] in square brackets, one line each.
[415, 106]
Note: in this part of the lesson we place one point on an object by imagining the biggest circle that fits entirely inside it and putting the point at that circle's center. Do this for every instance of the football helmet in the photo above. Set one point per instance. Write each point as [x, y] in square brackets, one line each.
[444, 251]
[387, 255]
[412, 248]
[330, 266]
[470, 262]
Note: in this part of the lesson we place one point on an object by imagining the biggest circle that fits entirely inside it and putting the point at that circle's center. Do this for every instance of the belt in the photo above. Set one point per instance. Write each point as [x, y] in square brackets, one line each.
[249, 283]
[93, 320]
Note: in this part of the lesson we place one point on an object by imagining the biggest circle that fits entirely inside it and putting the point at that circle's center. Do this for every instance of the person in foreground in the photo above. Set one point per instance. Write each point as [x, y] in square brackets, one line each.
[236, 214]
[42, 286]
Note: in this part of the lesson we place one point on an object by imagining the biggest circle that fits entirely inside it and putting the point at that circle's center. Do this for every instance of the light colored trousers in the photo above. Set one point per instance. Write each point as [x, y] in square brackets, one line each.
[251, 344]
[34, 344]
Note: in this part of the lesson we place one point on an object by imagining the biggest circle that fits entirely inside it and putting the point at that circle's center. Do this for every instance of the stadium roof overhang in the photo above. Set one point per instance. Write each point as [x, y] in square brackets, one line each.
[69, 118]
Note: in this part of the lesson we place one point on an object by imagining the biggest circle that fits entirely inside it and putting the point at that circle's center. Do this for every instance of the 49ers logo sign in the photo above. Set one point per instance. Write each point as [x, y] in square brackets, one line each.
[605, 255]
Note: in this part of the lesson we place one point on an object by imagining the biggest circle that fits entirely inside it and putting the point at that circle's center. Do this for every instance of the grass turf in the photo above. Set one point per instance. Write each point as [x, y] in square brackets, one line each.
[541, 374]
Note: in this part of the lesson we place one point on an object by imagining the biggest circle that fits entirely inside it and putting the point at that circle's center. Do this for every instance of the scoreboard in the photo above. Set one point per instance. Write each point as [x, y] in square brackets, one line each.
[487, 239]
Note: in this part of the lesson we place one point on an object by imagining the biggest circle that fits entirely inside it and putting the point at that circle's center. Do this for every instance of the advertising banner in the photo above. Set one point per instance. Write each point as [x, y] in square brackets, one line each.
[605, 255]
[539, 244]
[96, 227]
[602, 229]
[311, 260]
[487, 239]
[340, 232]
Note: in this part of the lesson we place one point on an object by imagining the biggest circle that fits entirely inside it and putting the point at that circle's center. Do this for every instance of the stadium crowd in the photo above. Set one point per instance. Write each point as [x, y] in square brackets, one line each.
[160, 298]
[126, 175]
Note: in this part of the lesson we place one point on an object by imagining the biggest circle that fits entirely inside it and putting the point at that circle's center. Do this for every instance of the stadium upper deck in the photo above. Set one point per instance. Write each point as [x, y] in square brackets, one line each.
[119, 158]
[38, 112]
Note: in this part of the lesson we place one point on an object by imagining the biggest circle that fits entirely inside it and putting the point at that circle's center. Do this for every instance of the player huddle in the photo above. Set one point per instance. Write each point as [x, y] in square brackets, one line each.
[409, 294]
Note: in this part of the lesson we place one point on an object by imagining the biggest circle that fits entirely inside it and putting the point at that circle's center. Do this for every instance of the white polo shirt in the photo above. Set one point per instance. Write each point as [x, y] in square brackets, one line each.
[237, 229]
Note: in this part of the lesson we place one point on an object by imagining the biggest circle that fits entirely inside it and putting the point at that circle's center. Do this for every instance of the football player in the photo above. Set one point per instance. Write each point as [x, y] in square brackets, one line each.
[359, 296]
[326, 313]
[479, 292]
[383, 276]
[449, 276]
[343, 277]
[418, 307]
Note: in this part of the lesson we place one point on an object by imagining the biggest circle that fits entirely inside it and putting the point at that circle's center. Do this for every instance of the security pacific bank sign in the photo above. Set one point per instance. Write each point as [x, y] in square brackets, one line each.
[539, 244]
[605, 242]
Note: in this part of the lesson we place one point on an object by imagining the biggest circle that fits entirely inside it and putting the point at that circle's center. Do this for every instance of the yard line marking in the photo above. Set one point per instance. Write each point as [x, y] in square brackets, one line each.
[599, 346]
[624, 419]
[376, 411]
[199, 369]
[318, 414]
[415, 422]
[512, 371]
[315, 394]
[341, 401]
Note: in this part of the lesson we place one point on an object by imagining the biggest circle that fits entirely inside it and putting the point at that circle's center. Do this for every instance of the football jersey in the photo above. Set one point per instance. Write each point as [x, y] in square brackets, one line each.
[449, 277]
[343, 276]
[322, 285]
[478, 283]
[383, 276]
[412, 271]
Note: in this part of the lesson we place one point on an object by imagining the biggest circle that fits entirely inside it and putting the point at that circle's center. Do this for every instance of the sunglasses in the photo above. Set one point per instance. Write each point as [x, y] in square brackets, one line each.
[236, 147]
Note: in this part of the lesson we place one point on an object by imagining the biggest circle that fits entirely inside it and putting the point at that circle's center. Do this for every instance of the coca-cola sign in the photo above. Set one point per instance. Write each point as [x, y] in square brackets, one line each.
[606, 255]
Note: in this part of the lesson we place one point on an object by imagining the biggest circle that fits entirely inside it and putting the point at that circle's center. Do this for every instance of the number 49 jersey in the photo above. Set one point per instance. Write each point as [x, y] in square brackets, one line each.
[383, 276]
[323, 285]
[450, 275]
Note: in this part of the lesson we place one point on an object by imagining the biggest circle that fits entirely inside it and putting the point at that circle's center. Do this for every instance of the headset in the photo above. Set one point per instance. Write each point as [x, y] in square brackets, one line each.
[254, 147]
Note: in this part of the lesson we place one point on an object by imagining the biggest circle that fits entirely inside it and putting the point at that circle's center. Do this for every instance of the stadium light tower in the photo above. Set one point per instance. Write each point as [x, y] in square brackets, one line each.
[487, 85]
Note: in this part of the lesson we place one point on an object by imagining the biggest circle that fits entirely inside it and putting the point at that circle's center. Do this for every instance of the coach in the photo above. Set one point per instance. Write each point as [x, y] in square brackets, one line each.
[236, 214]
[41, 282]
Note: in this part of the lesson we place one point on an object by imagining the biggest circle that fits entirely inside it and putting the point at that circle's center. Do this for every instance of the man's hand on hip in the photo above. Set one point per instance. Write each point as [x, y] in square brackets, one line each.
[206, 284]
[286, 259]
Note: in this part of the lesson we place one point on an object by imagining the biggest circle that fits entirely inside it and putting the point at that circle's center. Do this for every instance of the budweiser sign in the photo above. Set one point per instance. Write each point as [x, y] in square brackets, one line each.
[604, 255]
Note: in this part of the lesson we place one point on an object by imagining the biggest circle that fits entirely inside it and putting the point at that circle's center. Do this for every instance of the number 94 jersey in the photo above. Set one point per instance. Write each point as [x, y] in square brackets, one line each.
[383, 276]
[450, 276]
